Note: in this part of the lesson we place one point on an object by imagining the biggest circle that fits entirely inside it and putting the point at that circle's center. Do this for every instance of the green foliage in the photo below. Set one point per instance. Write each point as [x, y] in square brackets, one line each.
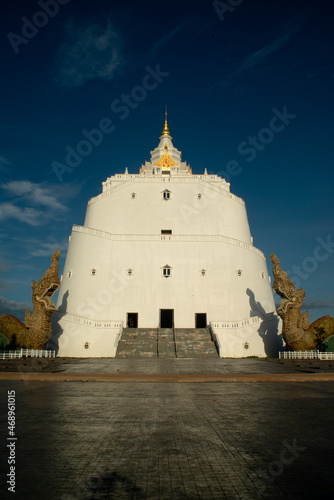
[321, 329]
[4, 342]
[328, 345]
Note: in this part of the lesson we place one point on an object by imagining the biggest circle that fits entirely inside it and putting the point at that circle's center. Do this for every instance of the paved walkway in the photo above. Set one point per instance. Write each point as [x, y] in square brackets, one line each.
[172, 366]
[151, 440]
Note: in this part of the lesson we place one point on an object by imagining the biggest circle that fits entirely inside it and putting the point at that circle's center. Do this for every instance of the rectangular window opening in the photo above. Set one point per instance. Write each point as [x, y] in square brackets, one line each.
[166, 231]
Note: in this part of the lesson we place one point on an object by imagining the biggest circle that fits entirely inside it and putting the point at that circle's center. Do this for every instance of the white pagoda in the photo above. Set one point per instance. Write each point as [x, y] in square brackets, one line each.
[165, 248]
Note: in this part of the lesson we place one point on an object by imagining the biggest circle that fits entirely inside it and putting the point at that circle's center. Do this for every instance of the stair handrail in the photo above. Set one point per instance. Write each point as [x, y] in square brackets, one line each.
[173, 326]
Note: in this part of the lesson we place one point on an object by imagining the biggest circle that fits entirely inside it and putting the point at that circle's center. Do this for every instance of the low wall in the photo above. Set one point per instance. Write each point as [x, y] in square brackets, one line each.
[77, 337]
[255, 336]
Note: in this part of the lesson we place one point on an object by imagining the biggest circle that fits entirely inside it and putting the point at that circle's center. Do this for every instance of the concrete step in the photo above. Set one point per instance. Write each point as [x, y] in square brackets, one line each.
[165, 334]
[166, 349]
[137, 348]
[151, 342]
[192, 337]
[138, 333]
[196, 350]
[136, 354]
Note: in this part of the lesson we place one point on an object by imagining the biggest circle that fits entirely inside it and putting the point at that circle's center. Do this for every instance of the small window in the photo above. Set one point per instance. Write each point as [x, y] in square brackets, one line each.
[166, 271]
[129, 272]
[166, 231]
[69, 274]
[93, 272]
[166, 195]
[203, 272]
[133, 195]
[239, 272]
[199, 196]
[87, 345]
[262, 276]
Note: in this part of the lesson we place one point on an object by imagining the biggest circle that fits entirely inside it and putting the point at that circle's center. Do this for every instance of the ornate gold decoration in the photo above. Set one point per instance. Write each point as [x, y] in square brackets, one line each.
[165, 130]
[166, 162]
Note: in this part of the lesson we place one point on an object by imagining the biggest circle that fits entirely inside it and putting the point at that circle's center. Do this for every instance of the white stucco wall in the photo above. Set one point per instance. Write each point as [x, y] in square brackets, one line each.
[79, 337]
[255, 336]
[217, 212]
[122, 233]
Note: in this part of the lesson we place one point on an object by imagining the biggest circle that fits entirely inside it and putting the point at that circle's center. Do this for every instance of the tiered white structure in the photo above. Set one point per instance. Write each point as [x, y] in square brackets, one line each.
[165, 248]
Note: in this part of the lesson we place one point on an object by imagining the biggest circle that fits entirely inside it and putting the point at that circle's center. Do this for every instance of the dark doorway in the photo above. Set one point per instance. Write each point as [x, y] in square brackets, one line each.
[200, 320]
[132, 321]
[166, 318]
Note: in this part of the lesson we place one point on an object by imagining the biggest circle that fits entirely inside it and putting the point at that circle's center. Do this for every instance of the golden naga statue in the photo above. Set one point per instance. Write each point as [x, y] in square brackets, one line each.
[37, 330]
[297, 332]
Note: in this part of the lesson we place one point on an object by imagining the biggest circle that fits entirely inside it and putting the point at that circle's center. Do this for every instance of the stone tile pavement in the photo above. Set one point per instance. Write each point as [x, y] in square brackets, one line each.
[165, 366]
[135, 440]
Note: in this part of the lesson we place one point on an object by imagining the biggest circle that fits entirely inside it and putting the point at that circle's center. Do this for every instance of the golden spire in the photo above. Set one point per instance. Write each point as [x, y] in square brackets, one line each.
[165, 130]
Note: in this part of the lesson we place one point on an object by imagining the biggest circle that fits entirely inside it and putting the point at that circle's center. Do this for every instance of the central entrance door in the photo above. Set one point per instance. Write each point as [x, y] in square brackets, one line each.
[132, 320]
[200, 320]
[166, 318]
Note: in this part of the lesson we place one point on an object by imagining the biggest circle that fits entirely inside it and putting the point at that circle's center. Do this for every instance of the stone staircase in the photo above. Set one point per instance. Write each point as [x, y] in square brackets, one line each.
[166, 343]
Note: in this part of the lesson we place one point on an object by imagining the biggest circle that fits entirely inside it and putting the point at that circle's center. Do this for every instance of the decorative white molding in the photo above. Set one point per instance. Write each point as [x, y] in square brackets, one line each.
[241, 323]
[168, 237]
[87, 321]
[138, 178]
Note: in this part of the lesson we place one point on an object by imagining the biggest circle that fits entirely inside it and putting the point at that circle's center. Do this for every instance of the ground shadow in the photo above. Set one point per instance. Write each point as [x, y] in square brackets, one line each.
[112, 485]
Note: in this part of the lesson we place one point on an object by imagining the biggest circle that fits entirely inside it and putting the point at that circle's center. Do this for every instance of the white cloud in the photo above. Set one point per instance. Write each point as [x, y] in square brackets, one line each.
[36, 194]
[35, 204]
[89, 52]
[3, 161]
[266, 51]
[10, 306]
[48, 249]
[262, 55]
[318, 304]
[167, 38]
[29, 215]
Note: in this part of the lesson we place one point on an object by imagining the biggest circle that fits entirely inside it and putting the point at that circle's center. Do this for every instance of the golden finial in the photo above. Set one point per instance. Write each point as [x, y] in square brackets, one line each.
[165, 130]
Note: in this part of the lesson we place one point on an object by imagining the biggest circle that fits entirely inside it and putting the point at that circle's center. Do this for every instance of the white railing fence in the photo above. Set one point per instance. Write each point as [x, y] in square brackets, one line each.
[306, 355]
[29, 353]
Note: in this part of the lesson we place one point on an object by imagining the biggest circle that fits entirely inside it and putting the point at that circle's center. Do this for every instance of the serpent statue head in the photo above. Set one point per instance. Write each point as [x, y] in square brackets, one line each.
[49, 283]
[285, 288]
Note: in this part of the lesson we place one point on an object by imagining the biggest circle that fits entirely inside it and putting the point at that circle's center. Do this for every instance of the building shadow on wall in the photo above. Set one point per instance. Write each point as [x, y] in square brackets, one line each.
[269, 327]
[57, 329]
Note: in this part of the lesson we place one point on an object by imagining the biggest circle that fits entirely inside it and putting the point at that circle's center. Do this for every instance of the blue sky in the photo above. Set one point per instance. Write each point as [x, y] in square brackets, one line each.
[249, 89]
